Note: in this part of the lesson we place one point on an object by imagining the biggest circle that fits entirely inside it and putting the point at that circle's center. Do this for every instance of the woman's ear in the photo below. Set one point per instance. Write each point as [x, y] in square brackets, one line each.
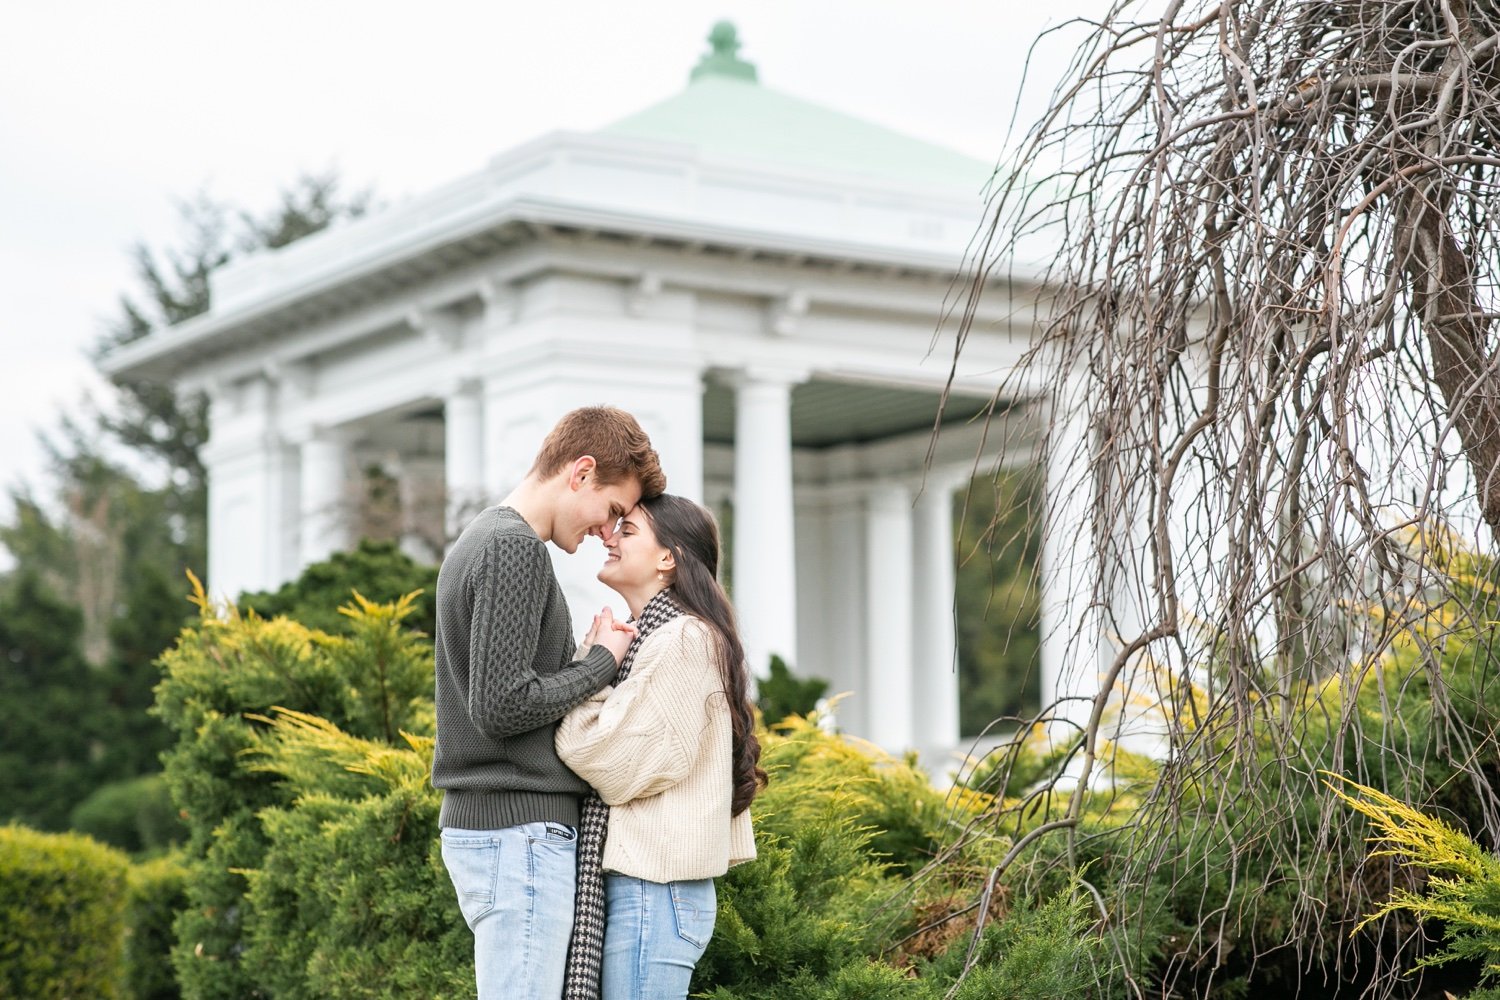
[666, 563]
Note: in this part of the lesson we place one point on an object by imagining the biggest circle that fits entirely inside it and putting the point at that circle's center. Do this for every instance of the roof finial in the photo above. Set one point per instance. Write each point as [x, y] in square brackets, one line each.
[724, 60]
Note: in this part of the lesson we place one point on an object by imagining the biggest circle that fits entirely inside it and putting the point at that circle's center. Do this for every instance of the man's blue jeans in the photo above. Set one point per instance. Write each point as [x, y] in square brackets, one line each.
[515, 887]
[655, 934]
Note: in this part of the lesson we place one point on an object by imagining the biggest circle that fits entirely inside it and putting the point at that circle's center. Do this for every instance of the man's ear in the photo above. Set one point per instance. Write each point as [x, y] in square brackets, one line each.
[582, 471]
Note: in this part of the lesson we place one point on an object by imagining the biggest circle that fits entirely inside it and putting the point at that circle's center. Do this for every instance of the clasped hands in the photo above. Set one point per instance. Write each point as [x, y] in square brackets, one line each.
[613, 635]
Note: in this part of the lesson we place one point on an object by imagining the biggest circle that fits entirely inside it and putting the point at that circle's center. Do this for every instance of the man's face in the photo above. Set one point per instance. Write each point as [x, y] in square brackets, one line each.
[594, 511]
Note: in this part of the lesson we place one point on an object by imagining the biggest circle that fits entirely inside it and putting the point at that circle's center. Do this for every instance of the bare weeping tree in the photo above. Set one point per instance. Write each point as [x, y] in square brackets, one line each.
[1266, 239]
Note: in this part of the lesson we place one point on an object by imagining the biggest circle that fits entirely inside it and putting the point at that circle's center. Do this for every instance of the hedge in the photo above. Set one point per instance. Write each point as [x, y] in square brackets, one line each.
[62, 910]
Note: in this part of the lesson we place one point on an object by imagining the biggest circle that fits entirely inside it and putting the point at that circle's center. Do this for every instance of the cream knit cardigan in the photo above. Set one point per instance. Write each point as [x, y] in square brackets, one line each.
[657, 750]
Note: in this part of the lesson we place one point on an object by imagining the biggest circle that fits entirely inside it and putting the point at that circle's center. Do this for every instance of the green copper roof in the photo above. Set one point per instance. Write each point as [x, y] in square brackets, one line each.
[724, 110]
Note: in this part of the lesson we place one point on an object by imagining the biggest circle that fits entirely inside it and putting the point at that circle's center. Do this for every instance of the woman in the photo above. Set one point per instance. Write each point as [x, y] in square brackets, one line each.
[670, 750]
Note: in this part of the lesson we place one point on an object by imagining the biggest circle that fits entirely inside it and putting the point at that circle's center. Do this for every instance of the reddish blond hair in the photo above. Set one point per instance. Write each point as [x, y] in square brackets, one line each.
[614, 438]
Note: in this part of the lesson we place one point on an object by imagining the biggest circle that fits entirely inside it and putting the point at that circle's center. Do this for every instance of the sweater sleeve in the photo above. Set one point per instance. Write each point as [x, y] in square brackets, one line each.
[507, 693]
[641, 738]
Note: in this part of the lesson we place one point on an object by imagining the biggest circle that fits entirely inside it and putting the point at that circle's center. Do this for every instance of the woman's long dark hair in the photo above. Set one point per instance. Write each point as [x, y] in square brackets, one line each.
[692, 535]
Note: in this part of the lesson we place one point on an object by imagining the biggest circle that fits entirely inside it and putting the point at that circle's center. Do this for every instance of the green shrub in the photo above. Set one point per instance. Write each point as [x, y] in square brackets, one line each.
[221, 681]
[1233, 877]
[782, 694]
[158, 892]
[352, 898]
[135, 815]
[893, 799]
[62, 902]
[1462, 893]
[1037, 952]
[303, 759]
[378, 570]
[51, 705]
[836, 829]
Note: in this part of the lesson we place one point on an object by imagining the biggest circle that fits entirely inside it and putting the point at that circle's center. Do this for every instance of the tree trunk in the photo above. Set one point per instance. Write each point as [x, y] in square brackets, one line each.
[1452, 318]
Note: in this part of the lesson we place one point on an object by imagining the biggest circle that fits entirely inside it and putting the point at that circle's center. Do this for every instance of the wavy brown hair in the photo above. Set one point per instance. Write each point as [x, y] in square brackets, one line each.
[692, 535]
[614, 438]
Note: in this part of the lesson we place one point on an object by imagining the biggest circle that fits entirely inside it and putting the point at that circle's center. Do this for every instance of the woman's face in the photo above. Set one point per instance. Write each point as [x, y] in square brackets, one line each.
[634, 556]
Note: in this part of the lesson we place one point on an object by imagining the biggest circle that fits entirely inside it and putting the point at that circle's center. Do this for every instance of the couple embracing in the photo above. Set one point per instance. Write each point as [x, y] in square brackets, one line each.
[592, 791]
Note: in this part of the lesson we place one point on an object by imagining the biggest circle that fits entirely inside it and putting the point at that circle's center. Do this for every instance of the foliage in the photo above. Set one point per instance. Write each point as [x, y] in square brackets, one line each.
[1462, 891]
[62, 900]
[316, 868]
[1036, 952]
[997, 605]
[351, 898]
[221, 681]
[135, 815]
[1218, 879]
[157, 893]
[49, 706]
[836, 828]
[378, 570]
[782, 693]
[1039, 951]
[302, 763]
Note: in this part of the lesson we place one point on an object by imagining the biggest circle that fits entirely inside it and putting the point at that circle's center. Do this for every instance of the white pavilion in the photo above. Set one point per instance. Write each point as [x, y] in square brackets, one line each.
[767, 284]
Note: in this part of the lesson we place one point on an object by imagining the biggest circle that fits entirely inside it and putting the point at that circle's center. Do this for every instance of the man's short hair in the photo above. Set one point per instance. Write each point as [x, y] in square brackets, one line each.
[619, 446]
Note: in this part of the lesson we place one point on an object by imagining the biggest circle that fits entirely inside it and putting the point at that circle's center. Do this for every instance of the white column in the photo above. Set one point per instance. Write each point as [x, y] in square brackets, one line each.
[765, 583]
[252, 479]
[1071, 634]
[423, 506]
[844, 610]
[463, 455]
[326, 496]
[888, 616]
[934, 652]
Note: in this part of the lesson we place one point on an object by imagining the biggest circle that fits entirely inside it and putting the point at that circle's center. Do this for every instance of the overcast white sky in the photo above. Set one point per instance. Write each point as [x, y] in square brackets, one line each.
[113, 110]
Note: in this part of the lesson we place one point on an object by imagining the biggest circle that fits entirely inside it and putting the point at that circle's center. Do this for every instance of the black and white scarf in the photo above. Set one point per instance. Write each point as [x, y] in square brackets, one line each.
[586, 949]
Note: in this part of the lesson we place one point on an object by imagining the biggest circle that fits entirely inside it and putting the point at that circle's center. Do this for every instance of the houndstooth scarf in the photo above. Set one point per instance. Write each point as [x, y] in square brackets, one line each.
[586, 949]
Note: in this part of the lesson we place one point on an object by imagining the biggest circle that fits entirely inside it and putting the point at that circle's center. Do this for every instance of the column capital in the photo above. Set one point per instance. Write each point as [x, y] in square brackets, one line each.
[937, 485]
[502, 304]
[467, 386]
[439, 327]
[751, 376]
[785, 312]
[299, 435]
[641, 291]
[888, 495]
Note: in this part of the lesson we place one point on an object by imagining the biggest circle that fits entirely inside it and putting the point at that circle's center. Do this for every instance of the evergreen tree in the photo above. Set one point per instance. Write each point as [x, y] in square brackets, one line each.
[106, 547]
[49, 706]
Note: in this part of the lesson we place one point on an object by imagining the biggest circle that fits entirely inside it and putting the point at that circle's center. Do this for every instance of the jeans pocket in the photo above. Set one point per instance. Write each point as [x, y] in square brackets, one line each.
[474, 866]
[694, 907]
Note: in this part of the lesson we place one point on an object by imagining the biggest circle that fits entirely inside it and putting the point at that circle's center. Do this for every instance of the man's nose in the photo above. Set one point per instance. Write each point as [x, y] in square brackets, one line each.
[606, 532]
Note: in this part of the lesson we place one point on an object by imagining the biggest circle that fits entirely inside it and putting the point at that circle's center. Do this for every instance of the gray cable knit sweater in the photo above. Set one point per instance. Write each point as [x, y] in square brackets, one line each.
[504, 638]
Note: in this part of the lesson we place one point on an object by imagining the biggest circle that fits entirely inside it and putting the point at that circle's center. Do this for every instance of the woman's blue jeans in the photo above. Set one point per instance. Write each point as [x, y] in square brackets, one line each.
[655, 934]
[516, 887]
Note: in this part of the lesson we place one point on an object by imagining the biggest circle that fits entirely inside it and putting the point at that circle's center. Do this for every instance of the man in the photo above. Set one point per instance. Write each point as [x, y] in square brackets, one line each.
[506, 673]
